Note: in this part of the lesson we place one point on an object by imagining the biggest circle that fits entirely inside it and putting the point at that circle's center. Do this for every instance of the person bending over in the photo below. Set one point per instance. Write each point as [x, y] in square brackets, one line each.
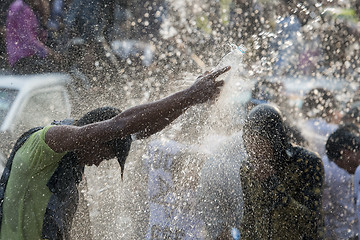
[39, 184]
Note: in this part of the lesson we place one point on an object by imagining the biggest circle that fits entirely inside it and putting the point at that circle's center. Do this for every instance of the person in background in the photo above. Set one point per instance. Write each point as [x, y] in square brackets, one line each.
[26, 37]
[357, 199]
[171, 192]
[57, 38]
[88, 32]
[89, 20]
[322, 118]
[352, 116]
[266, 91]
[357, 180]
[282, 184]
[342, 148]
[51, 160]
[103, 33]
[4, 6]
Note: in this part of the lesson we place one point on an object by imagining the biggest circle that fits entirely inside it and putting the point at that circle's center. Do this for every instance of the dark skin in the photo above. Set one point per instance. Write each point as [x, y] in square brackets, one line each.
[349, 160]
[89, 141]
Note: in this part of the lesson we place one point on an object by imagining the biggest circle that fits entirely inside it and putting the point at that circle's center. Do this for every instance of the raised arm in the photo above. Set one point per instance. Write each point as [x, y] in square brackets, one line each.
[146, 119]
[157, 115]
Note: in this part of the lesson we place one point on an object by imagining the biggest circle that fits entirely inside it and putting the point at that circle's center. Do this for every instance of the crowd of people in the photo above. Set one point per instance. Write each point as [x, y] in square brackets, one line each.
[66, 33]
[287, 172]
[60, 35]
[274, 178]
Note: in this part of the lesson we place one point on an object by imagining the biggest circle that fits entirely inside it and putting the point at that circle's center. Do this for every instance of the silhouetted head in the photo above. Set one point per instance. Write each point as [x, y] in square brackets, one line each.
[352, 116]
[319, 102]
[342, 147]
[265, 91]
[264, 125]
[121, 146]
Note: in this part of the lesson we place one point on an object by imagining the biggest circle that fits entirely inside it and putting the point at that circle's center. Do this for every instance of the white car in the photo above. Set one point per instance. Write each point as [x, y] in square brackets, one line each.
[28, 101]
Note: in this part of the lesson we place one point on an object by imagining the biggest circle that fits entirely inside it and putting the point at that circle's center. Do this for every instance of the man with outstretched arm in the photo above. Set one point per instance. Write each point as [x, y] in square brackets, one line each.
[38, 189]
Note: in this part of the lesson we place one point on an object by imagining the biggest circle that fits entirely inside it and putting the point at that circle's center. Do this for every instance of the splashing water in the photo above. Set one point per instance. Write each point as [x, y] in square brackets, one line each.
[234, 58]
[227, 113]
[222, 143]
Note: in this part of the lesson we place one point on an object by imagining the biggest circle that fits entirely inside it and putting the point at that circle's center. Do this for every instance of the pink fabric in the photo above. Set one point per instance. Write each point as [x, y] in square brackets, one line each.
[24, 36]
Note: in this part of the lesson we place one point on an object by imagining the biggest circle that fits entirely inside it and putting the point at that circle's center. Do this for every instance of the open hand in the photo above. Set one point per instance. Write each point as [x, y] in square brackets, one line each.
[206, 87]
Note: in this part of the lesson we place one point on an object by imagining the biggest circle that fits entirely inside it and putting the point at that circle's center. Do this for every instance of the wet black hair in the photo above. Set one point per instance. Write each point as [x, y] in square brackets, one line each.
[97, 115]
[121, 146]
[319, 102]
[346, 137]
[266, 120]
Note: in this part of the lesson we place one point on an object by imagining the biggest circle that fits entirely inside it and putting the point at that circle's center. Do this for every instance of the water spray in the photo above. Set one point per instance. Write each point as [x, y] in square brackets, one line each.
[227, 110]
[234, 59]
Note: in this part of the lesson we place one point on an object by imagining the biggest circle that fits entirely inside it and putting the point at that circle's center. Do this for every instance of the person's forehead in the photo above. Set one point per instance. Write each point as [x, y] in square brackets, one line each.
[345, 154]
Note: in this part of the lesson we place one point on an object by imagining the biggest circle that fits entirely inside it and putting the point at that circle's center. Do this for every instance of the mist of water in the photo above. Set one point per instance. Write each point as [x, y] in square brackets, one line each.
[120, 209]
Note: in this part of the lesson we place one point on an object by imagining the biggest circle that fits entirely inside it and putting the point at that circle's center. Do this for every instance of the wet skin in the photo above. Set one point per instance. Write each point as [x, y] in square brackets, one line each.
[349, 161]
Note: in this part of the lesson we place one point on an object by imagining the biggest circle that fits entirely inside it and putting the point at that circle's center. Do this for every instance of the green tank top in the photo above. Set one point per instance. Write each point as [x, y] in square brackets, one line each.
[27, 195]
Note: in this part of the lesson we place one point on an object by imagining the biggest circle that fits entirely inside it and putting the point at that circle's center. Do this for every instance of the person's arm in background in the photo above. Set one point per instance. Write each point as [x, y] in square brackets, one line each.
[146, 118]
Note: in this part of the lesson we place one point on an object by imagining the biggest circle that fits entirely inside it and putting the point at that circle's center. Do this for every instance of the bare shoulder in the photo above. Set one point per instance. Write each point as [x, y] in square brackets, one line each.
[60, 138]
[59, 130]
[69, 137]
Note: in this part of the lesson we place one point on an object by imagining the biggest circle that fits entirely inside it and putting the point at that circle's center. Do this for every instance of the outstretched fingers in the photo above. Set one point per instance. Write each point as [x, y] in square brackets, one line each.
[217, 73]
[205, 74]
[219, 83]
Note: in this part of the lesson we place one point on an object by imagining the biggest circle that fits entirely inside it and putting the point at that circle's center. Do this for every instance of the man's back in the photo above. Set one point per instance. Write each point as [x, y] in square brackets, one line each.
[27, 194]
